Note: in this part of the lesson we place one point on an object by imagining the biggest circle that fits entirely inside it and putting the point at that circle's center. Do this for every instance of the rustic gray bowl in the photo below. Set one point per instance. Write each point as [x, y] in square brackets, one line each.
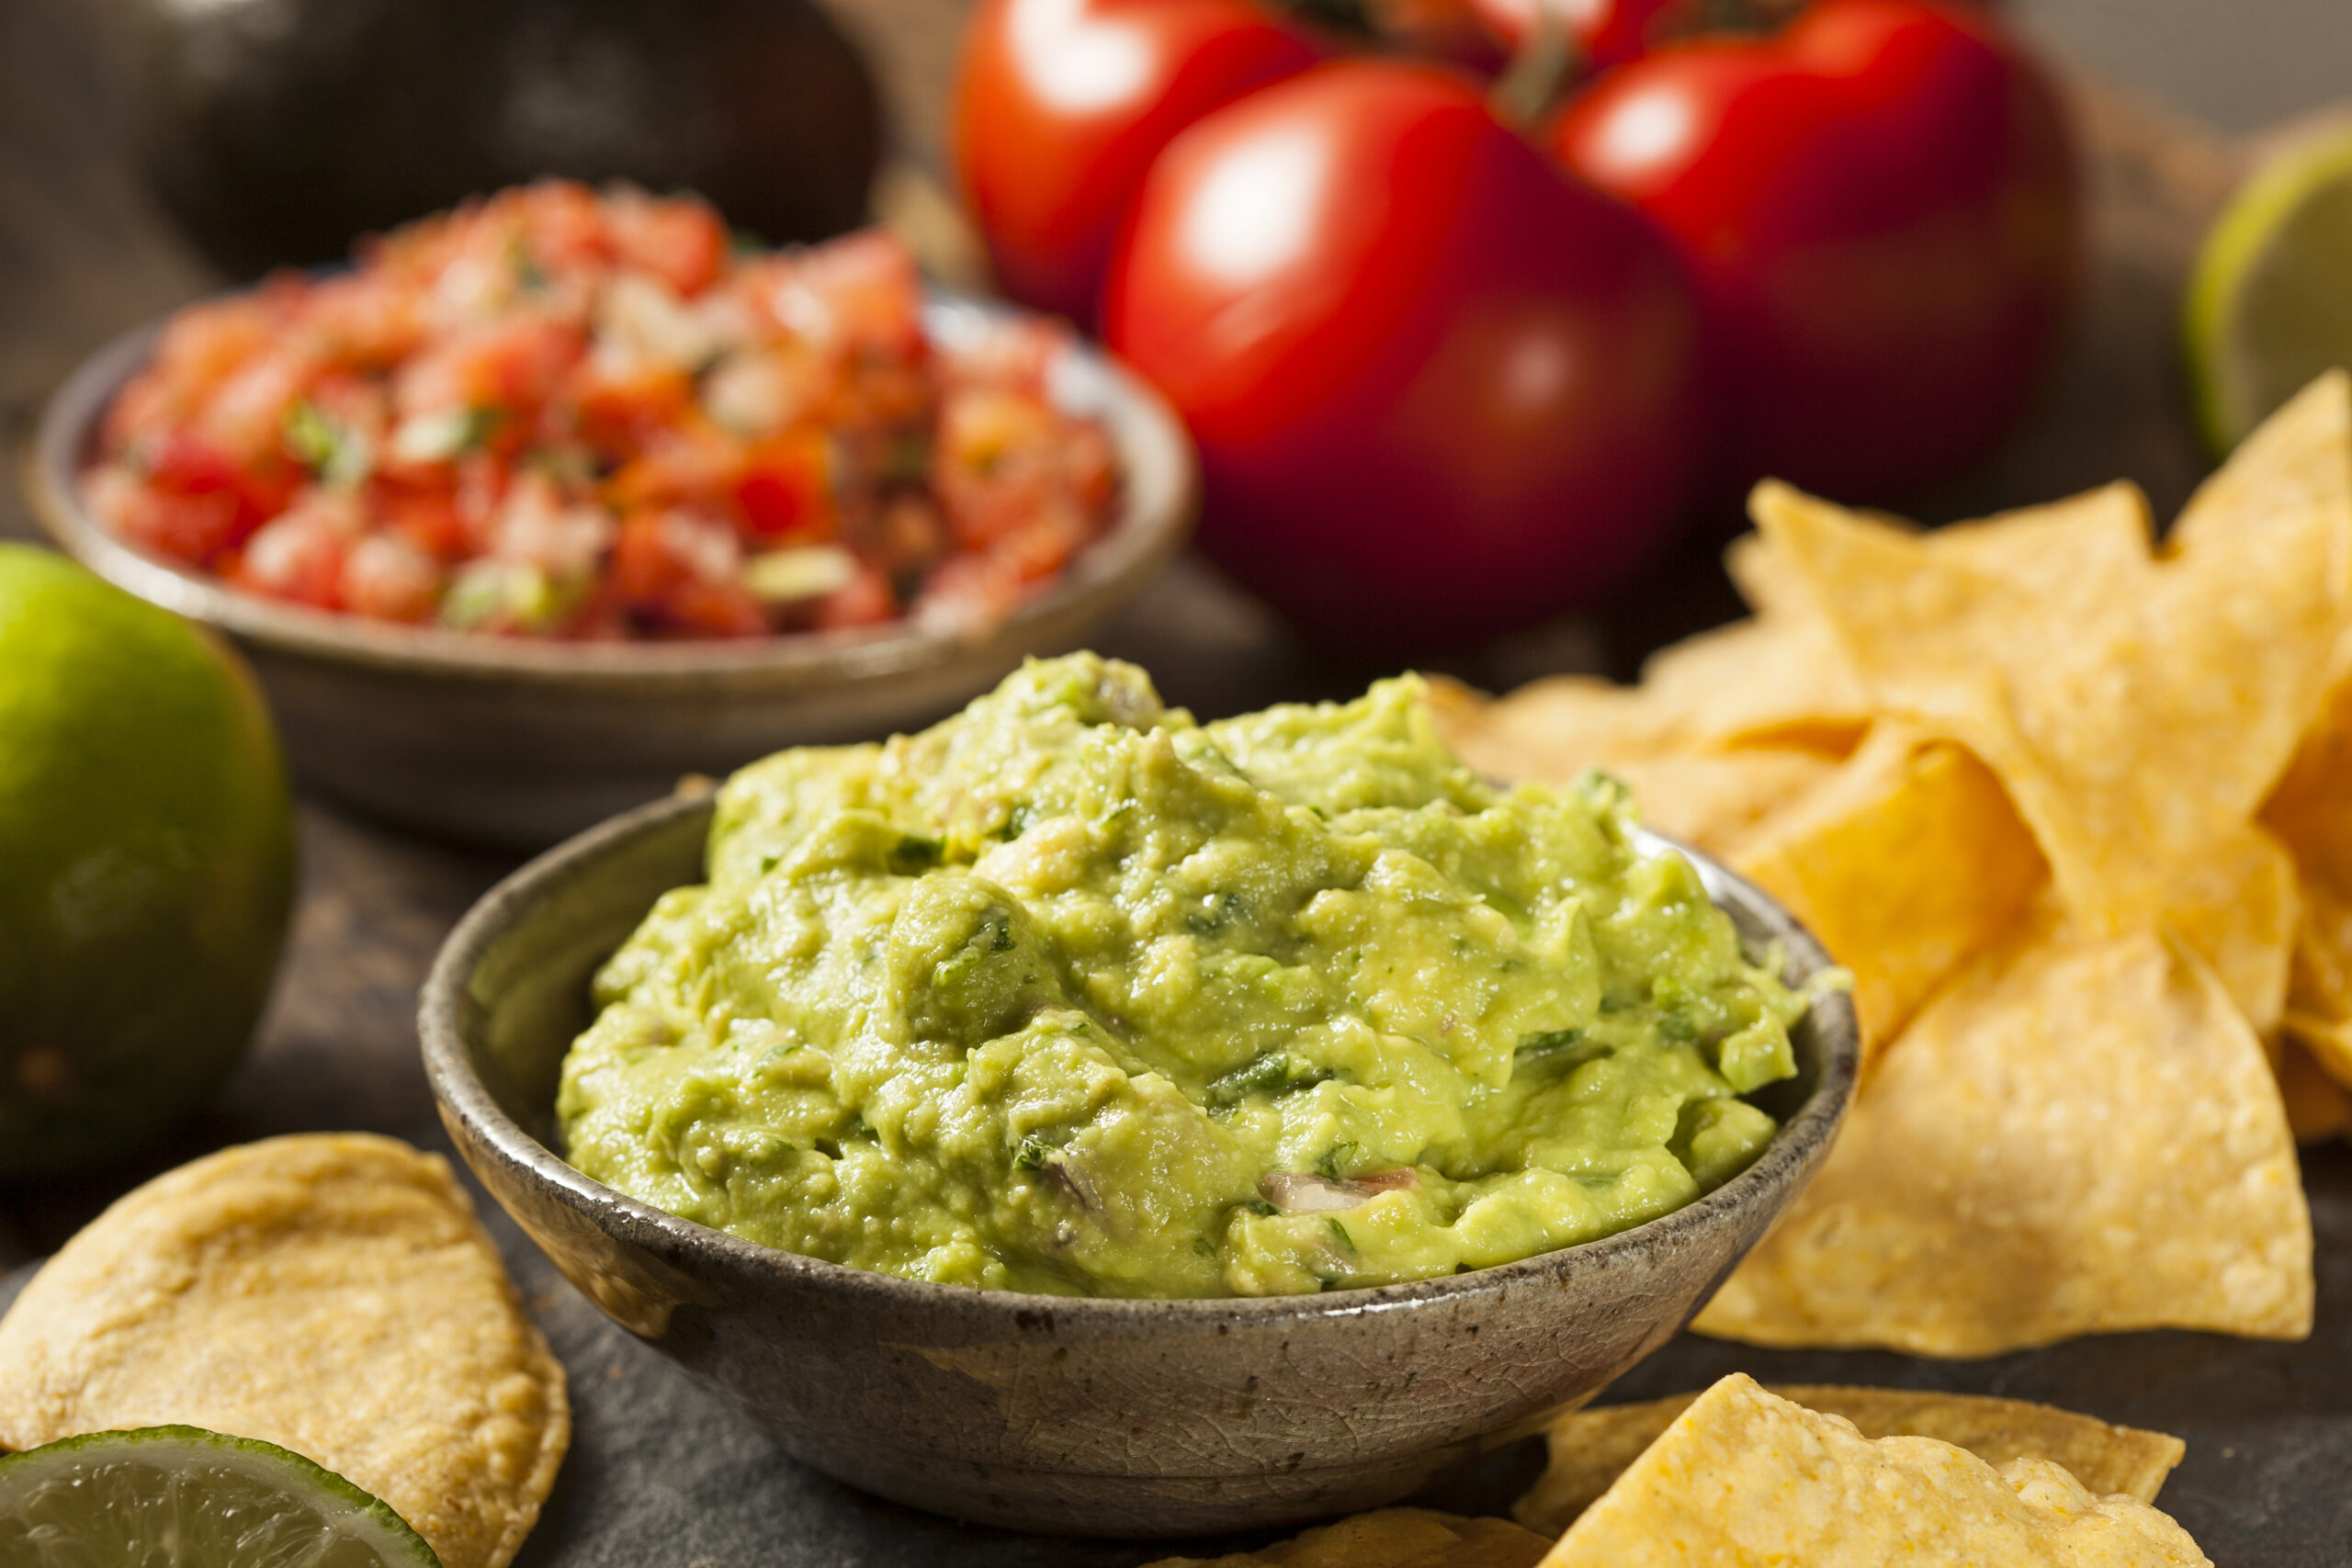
[520, 743]
[1048, 1412]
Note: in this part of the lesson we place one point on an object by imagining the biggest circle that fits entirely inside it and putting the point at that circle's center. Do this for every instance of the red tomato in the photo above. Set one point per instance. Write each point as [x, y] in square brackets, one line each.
[1060, 107]
[1879, 208]
[1437, 388]
[1604, 32]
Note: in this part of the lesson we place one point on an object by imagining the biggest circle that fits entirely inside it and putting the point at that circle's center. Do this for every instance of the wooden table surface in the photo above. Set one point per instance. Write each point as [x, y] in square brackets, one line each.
[82, 255]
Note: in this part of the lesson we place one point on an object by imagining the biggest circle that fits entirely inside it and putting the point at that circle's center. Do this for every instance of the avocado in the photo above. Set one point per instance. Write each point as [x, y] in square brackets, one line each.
[277, 131]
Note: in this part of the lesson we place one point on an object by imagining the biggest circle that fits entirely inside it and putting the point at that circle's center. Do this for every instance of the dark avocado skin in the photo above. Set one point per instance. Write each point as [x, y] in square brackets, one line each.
[277, 131]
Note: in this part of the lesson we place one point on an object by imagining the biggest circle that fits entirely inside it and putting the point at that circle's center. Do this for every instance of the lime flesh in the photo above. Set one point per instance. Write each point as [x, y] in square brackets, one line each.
[184, 1497]
[2270, 304]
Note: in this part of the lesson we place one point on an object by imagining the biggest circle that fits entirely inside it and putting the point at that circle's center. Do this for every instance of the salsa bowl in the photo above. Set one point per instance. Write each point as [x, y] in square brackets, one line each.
[515, 742]
[1131, 1417]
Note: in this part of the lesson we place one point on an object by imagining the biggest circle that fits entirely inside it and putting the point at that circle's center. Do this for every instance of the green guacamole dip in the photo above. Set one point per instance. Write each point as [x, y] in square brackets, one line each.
[1071, 993]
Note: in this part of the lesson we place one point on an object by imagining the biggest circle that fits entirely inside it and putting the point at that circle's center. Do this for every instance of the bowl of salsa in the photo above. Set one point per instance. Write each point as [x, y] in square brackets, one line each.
[545, 501]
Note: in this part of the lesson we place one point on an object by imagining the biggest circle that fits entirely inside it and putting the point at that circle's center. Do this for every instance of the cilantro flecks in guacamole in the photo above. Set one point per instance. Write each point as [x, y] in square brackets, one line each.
[1071, 993]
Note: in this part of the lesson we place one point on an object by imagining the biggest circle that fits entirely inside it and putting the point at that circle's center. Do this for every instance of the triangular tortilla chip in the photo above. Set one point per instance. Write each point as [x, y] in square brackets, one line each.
[1776, 682]
[1590, 1449]
[2079, 1134]
[1742, 1477]
[1910, 860]
[1714, 799]
[2136, 720]
[2298, 460]
[1392, 1538]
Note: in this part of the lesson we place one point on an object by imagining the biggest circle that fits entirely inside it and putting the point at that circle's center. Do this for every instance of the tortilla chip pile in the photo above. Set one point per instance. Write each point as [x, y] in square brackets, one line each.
[2077, 812]
[331, 1294]
[1825, 1477]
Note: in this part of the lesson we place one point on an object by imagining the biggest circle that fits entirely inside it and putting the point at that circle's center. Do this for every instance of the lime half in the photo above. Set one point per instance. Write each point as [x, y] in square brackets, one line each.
[184, 1497]
[2270, 304]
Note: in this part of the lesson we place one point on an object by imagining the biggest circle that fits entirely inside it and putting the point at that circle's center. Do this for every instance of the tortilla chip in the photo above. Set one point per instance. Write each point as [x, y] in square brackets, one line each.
[2137, 719]
[1774, 681]
[2069, 553]
[2312, 808]
[1591, 1447]
[1713, 799]
[1392, 1538]
[1744, 1477]
[2078, 1134]
[2240, 906]
[2298, 461]
[2317, 1106]
[1905, 865]
[332, 1295]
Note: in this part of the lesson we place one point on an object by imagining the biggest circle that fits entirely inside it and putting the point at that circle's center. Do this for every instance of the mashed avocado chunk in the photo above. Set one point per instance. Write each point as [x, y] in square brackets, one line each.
[1071, 993]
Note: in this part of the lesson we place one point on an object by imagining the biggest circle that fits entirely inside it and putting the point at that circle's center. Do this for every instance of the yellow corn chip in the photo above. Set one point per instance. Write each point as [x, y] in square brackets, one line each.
[2298, 460]
[332, 1295]
[1744, 1477]
[1772, 682]
[2312, 808]
[1392, 1538]
[2137, 718]
[1590, 1449]
[2079, 1134]
[1714, 799]
[1905, 865]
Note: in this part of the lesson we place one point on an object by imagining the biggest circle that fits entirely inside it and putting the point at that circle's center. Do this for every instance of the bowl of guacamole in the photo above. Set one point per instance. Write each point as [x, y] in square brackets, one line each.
[1078, 1116]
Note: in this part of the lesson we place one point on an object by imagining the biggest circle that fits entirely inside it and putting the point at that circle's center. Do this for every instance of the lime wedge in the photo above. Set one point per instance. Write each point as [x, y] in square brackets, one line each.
[184, 1497]
[2270, 303]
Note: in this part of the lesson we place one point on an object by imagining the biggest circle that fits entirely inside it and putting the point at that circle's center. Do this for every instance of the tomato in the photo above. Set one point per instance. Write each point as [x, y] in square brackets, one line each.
[1603, 32]
[1437, 388]
[1879, 207]
[1060, 107]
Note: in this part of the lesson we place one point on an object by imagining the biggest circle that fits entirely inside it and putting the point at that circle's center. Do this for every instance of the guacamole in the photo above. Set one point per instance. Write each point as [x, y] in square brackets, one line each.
[1071, 993]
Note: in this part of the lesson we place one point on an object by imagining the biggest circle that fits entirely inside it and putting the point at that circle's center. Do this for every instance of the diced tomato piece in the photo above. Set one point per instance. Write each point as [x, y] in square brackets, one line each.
[300, 556]
[427, 518]
[870, 290]
[365, 321]
[693, 464]
[621, 412]
[684, 574]
[681, 243]
[785, 489]
[867, 599]
[385, 577]
[713, 609]
[246, 416]
[563, 223]
[512, 364]
[197, 529]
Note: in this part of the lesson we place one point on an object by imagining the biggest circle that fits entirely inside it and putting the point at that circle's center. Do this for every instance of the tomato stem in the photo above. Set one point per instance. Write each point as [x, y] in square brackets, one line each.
[1539, 66]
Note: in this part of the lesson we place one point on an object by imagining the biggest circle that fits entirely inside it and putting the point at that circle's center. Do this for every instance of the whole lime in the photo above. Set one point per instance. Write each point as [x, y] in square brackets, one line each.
[146, 863]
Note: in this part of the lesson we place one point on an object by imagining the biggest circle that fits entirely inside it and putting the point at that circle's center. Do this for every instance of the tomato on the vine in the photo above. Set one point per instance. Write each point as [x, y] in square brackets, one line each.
[1060, 106]
[1878, 205]
[1437, 387]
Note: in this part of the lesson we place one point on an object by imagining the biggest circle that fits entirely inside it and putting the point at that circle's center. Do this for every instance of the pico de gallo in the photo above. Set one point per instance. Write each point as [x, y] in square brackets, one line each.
[566, 412]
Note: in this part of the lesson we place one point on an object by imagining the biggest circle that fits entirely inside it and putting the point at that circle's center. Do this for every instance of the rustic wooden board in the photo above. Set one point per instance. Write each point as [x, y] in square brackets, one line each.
[663, 1471]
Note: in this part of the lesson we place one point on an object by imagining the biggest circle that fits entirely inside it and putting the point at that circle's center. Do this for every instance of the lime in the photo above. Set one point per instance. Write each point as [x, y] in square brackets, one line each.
[146, 863]
[2270, 303]
[184, 1497]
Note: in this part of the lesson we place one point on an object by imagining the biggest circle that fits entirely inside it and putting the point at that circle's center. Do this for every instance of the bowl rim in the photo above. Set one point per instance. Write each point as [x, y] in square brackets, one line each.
[1139, 540]
[1802, 1138]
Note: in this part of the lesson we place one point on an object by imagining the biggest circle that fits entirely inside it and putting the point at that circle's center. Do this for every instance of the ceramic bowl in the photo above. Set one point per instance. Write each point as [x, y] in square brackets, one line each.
[1049, 1412]
[519, 743]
